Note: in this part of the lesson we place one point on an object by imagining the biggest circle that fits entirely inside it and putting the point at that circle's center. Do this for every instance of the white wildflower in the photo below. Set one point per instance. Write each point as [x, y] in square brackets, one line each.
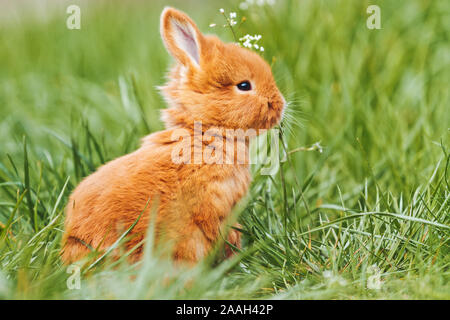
[249, 41]
[212, 25]
[221, 10]
[232, 15]
[247, 44]
[243, 6]
[317, 146]
[247, 3]
[232, 22]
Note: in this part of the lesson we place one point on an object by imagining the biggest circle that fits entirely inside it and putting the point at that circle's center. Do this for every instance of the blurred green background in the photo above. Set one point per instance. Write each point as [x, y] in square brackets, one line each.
[376, 100]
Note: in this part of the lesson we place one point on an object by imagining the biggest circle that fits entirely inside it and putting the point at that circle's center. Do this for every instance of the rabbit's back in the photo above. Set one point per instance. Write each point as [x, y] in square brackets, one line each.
[111, 199]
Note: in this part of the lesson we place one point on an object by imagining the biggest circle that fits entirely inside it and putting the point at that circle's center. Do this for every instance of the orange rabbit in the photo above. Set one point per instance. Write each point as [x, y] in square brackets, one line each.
[219, 85]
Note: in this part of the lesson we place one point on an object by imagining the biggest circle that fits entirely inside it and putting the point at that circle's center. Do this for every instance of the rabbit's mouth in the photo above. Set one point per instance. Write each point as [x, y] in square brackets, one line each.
[275, 110]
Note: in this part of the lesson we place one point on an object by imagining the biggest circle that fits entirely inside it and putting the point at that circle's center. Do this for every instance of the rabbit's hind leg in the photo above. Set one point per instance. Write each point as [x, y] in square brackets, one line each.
[192, 248]
[234, 238]
[73, 250]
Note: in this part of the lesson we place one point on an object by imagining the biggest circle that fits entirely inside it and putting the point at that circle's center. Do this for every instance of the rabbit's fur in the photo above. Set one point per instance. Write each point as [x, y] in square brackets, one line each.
[192, 199]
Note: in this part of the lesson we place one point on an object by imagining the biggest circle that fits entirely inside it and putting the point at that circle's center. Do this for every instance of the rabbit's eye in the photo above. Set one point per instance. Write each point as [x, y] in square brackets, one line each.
[244, 86]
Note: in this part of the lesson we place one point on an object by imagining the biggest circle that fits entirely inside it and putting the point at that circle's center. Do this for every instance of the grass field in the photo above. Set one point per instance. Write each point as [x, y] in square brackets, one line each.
[367, 218]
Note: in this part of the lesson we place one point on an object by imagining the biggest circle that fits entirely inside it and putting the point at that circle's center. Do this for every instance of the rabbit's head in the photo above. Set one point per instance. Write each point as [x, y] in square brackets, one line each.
[219, 84]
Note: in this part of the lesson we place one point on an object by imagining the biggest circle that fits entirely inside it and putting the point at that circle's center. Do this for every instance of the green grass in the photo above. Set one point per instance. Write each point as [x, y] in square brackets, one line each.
[377, 100]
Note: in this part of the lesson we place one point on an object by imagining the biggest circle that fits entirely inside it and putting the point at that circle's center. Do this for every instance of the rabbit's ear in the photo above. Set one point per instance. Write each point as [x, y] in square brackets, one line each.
[181, 37]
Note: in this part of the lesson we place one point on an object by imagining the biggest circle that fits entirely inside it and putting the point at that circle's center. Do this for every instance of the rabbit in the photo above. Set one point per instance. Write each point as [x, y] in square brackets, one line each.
[220, 85]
